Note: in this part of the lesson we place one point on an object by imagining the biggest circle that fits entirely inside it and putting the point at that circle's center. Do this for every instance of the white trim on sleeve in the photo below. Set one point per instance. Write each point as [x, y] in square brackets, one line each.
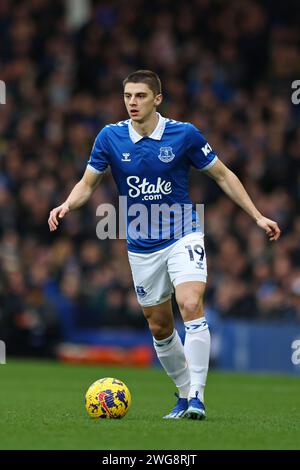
[93, 170]
[206, 167]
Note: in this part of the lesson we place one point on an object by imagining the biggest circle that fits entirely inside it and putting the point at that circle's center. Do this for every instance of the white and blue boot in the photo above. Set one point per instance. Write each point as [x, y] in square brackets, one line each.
[179, 409]
[196, 409]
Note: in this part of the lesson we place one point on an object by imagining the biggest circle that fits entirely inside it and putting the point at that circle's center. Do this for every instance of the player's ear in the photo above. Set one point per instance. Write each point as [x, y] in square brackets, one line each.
[158, 99]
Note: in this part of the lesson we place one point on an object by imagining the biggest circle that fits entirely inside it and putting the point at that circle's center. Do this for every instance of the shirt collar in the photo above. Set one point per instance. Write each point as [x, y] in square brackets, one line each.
[156, 134]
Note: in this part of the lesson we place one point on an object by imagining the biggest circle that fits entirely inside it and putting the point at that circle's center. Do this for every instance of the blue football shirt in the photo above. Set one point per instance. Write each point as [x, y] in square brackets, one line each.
[153, 171]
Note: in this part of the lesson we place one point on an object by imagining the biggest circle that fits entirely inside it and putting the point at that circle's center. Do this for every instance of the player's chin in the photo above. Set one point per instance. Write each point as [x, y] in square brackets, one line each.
[136, 117]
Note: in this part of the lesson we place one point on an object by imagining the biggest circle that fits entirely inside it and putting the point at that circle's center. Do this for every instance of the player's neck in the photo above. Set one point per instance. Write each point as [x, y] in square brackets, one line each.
[147, 127]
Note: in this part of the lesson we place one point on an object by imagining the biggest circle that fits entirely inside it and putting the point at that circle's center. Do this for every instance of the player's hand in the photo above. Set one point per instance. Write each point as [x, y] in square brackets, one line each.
[270, 227]
[57, 214]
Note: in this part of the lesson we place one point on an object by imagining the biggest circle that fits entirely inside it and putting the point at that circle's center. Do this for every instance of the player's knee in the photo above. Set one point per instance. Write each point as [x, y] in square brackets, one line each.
[160, 331]
[191, 308]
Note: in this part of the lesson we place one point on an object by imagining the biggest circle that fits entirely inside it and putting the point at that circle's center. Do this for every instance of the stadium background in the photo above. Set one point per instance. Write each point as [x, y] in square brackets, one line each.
[226, 66]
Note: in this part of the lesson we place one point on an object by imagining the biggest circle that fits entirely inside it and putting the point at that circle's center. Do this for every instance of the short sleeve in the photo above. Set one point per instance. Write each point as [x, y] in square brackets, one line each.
[99, 158]
[199, 151]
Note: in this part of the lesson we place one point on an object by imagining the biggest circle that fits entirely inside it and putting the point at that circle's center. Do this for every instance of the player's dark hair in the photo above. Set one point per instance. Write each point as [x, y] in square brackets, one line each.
[145, 76]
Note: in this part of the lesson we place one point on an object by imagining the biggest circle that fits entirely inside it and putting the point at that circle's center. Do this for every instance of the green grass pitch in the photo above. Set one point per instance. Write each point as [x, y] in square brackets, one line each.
[42, 407]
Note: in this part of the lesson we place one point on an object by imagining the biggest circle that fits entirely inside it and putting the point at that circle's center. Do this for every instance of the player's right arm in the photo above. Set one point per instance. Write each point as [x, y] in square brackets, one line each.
[78, 196]
[97, 165]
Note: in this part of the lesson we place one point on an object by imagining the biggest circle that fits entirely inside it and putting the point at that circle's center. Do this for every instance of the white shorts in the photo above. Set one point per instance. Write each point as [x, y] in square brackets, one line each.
[155, 274]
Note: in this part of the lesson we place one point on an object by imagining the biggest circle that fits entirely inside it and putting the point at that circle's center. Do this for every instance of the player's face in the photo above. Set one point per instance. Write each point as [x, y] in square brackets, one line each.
[140, 101]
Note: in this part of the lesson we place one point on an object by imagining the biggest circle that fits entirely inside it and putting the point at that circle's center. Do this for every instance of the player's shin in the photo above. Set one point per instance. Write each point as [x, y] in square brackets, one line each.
[197, 350]
[170, 353]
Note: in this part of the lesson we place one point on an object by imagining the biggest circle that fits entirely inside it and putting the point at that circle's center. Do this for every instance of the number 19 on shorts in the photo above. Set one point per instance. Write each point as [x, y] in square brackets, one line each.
[196, 254]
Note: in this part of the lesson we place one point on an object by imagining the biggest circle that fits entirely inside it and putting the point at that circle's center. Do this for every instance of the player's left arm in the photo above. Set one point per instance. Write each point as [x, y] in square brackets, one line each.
[232, 186]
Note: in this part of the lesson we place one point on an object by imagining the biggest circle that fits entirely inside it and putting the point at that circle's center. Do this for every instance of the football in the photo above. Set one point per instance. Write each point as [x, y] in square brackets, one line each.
[107, 398]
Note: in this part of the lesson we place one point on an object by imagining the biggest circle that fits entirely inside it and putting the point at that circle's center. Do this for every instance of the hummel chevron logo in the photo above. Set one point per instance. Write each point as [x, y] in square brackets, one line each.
[195, 327]
[165, 344]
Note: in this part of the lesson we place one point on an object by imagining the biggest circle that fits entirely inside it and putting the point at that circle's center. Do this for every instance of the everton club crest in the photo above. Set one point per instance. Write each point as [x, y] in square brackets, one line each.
[140, 291]
[166, 154]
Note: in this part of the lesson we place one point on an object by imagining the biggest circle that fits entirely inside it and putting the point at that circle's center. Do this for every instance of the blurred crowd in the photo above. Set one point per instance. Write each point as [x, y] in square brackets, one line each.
[225, 66]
